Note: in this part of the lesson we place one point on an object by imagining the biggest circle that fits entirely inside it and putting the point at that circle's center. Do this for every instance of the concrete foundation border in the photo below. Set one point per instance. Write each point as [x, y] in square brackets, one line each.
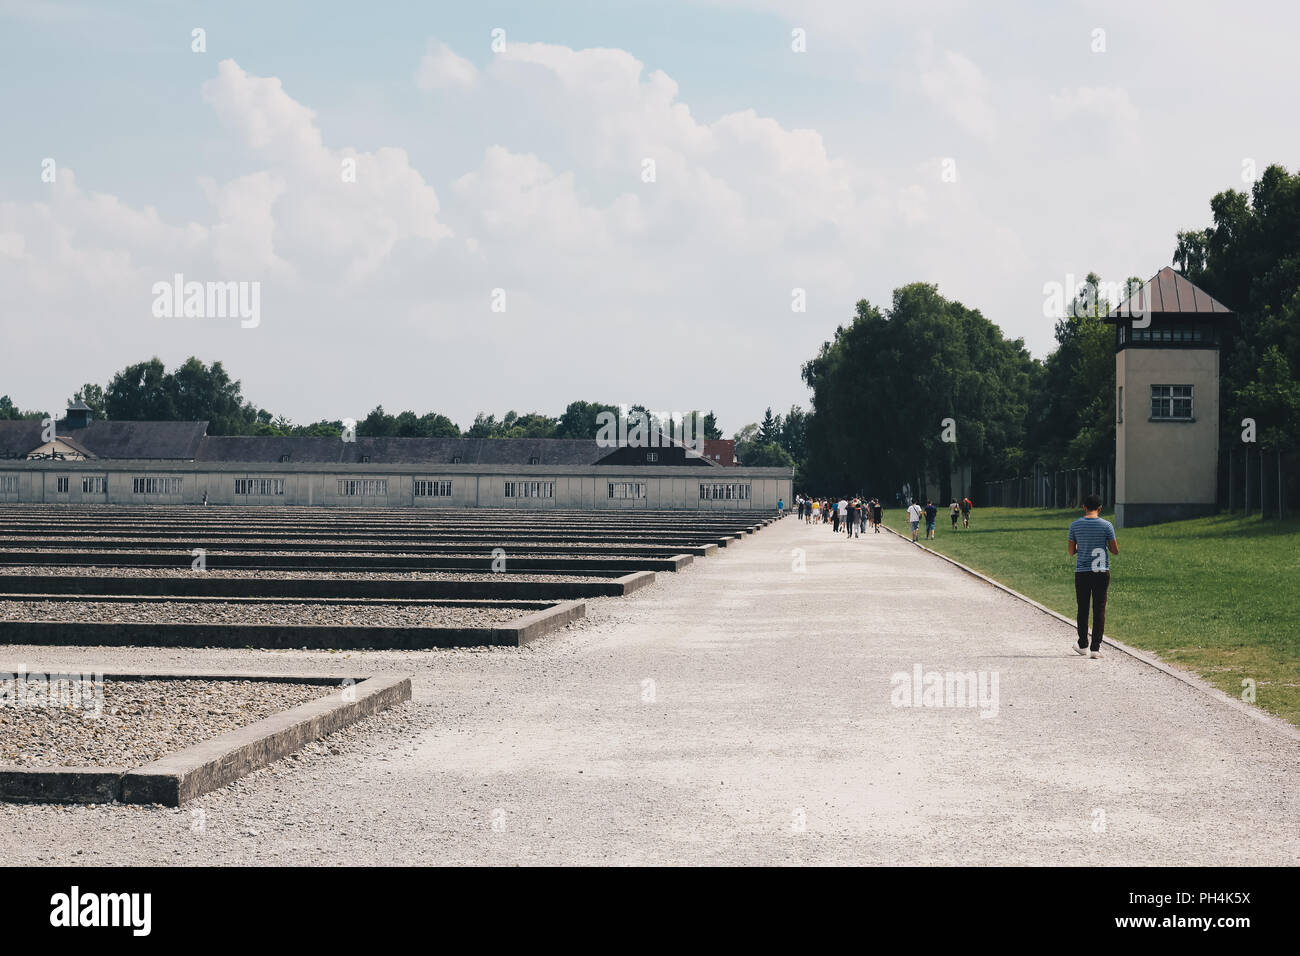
[180, 777]
[546, 618]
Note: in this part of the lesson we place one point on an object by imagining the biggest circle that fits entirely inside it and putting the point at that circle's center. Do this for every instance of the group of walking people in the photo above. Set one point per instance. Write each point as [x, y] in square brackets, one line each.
[957, 511]
[852, 515]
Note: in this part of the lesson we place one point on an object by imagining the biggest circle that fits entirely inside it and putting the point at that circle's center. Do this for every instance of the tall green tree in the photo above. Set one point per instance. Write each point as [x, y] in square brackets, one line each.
[769, 430]
[885, 386]
[579, 420]
[794, 433]
[1249, 259]
[10, 412]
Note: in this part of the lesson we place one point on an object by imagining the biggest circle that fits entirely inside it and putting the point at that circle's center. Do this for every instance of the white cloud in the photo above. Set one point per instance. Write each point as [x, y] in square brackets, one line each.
[956, 85]
[1091, 108]
[303, 213]
[442, 68]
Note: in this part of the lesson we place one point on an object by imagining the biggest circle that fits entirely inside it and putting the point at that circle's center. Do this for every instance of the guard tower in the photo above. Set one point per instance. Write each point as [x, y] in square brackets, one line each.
[1167, 341]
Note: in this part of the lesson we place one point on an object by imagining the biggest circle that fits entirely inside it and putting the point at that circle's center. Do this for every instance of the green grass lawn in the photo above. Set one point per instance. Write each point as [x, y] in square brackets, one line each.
[1219, 596]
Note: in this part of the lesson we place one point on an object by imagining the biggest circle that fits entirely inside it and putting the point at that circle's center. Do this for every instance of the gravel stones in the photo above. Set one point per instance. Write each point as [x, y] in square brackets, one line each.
[185, 572]
[363, 612]
[117, 723]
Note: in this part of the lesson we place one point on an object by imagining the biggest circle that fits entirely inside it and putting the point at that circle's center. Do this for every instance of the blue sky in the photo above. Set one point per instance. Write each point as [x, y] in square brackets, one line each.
[521, 170]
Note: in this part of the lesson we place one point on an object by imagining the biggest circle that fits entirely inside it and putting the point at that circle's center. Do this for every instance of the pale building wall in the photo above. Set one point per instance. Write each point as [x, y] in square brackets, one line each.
[667, 487]
[1166, 463]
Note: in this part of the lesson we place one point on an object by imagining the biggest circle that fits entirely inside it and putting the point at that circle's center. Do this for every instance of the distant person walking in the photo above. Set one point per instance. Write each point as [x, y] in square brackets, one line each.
[780, 507]
[931, 513]
[966, 506]
[914, 519]
[1091, 537]
[954, 512]
[877, 514]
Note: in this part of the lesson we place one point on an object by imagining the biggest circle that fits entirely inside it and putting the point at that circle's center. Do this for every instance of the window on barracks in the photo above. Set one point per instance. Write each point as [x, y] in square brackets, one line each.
[1171, 402]
[627, 489]
[261, 487]
[61, 485]
[530, 489]
[93, 486]
[425, 488]
[363, 487]
[156, 486]
[728, 491]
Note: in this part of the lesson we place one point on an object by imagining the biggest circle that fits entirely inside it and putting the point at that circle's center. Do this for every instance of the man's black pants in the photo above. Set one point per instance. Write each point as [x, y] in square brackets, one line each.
[1091, 586]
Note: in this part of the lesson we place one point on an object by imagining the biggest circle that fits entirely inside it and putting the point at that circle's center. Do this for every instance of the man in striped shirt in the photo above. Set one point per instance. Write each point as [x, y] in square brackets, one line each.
[1091, 537]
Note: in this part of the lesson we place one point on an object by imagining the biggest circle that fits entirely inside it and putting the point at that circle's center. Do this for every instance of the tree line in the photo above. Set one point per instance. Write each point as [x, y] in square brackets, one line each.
[195, 391]
[928, 383]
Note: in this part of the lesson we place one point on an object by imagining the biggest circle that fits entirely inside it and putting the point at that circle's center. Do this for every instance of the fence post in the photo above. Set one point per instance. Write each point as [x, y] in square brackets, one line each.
[1245, 480]
[1262, 513]
[1281, 488]
[1230, 501]
[1278, 454]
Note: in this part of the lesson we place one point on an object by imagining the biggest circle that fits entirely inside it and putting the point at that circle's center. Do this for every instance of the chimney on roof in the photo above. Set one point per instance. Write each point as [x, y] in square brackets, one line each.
[79, 415]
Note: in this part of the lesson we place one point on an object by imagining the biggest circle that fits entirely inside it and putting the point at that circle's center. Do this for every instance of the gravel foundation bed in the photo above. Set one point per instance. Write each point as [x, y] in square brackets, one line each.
[9, 543]
[185, 556]
[220, 612]
[137, 722]
[276, 574]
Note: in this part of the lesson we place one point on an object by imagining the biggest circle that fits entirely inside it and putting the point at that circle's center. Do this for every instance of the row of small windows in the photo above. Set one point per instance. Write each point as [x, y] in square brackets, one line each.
[156, 486]
[627, 489]
[262, 487]
[530, 489]
[1162, 335]
[8, 484]
[724, 492]
[363, 487]
[432, 489]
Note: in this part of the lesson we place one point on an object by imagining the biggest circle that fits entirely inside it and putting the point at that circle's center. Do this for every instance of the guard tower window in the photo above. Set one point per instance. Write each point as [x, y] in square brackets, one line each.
[1171, 403]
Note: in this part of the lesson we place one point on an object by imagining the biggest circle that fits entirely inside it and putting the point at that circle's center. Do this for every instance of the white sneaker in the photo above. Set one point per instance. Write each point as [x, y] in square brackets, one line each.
[1095, 655]
[1079, 650]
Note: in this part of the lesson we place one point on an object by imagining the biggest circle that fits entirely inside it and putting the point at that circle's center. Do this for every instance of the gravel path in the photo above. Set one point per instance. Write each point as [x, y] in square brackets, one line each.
[276, 574]
[221, 612]
[743, 712]
[130, 723]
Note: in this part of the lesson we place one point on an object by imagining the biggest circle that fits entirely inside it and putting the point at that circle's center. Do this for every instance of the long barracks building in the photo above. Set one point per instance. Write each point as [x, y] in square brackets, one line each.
[160, 463]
